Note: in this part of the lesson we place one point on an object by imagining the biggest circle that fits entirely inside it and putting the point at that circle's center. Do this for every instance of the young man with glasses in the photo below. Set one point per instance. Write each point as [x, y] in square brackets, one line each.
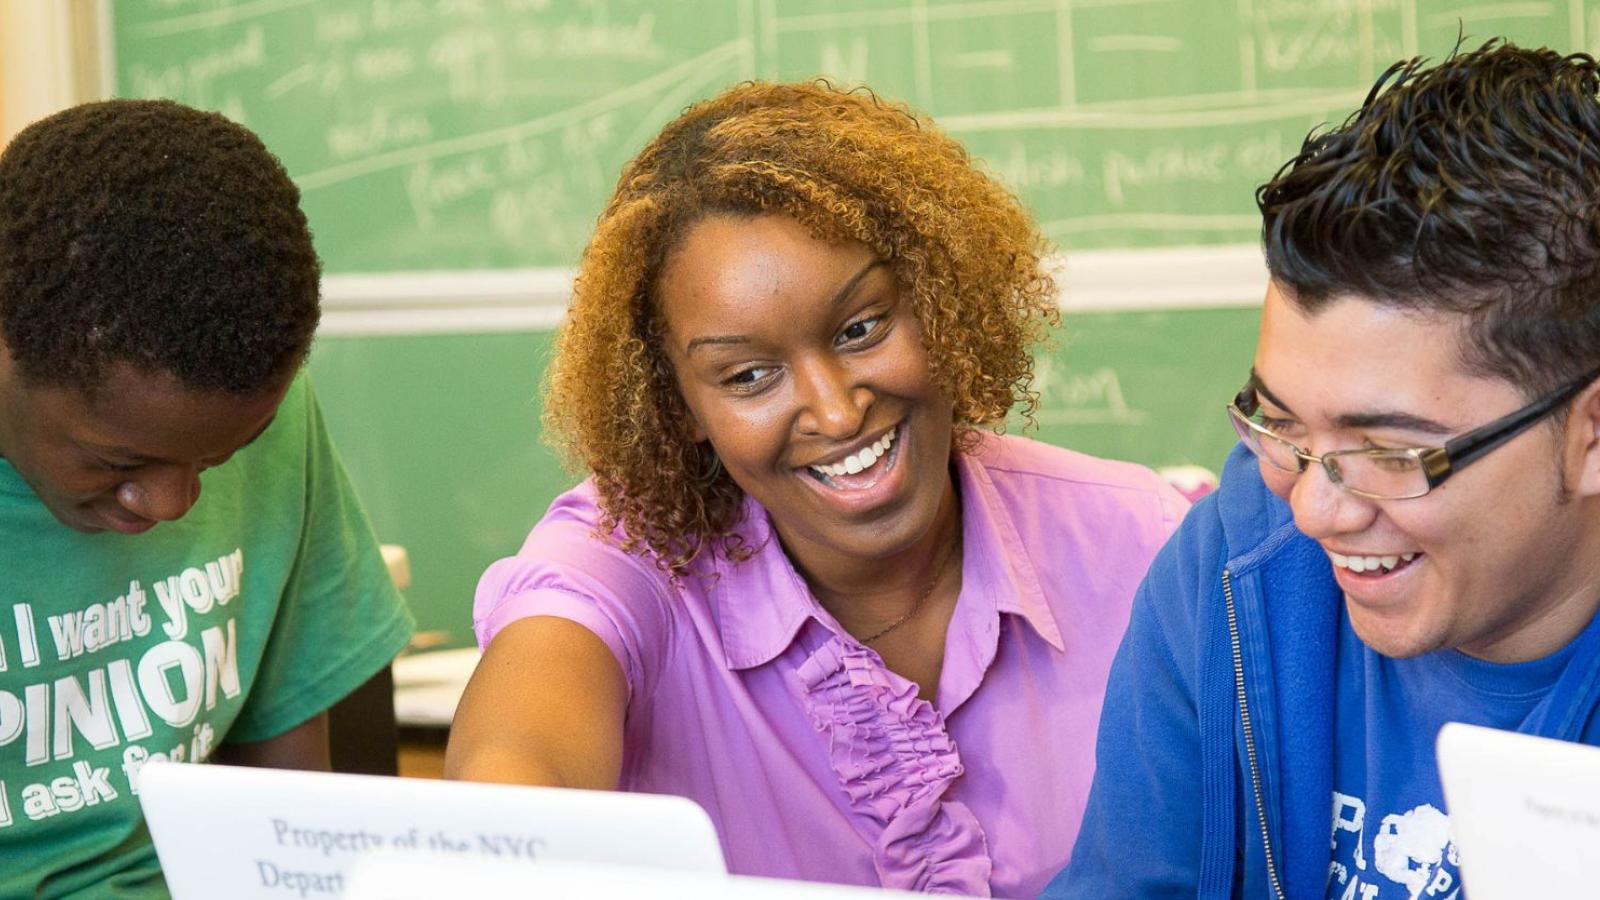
[1409, 531]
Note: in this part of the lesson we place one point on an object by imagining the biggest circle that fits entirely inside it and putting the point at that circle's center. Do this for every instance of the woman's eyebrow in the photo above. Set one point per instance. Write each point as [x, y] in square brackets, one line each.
[855, 280]
[714, 339]
[838, 299]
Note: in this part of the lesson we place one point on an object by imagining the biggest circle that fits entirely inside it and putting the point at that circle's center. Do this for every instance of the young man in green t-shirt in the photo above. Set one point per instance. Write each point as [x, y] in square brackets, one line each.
[185, 573]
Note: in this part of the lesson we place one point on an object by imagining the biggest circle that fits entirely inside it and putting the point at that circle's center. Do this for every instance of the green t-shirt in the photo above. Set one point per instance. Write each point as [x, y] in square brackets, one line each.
[262, 607]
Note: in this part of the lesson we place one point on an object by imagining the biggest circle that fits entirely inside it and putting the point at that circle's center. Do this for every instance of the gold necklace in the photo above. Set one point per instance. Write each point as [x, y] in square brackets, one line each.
[926, 593]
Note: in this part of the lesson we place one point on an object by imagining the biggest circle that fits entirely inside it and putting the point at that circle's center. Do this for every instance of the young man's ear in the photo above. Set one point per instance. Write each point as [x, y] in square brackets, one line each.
[1583, 437]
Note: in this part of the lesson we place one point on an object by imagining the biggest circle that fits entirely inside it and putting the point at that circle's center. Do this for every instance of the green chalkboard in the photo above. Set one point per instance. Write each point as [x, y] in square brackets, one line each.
[485, 134]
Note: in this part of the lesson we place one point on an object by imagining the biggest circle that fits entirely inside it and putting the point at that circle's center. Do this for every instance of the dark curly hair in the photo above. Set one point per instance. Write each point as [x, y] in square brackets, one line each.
[146, 232]
[848, 166]
[1468, 188]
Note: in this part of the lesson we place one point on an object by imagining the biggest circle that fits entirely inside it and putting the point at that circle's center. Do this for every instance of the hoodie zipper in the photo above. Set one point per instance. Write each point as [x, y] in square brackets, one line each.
[1249, 733]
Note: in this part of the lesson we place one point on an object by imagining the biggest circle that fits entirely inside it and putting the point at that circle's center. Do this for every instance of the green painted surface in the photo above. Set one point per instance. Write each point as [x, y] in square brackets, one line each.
[440, 432]
[469, 134]
[1148, 387]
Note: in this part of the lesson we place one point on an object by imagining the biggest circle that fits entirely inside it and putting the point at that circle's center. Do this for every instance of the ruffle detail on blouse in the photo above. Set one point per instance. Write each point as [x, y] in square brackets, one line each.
[895, 761]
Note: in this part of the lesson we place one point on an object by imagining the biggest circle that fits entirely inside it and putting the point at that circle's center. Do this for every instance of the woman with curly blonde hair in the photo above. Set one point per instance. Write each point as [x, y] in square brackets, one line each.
[806, 584]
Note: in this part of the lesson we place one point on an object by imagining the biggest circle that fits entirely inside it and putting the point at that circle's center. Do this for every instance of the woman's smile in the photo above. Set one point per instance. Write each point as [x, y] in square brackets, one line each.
[861, 479]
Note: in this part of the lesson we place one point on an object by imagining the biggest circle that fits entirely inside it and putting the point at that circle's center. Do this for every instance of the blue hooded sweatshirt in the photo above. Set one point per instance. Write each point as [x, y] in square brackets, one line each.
[1215, 754]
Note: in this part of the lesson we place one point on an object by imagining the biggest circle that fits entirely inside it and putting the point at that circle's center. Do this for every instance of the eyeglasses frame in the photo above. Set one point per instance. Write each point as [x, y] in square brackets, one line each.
[1438, 463]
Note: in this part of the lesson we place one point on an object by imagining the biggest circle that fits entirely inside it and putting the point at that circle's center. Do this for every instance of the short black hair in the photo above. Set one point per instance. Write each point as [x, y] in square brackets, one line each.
[1470, 188]
[147, 232]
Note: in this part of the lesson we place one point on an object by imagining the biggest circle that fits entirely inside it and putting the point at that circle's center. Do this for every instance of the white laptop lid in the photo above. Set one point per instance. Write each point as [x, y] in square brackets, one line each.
[1524, 812]
[225, 831]
[415, 878]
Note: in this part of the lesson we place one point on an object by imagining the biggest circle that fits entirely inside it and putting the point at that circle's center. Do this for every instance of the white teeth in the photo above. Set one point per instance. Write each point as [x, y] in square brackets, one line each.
[1369, 563]
[861, 460]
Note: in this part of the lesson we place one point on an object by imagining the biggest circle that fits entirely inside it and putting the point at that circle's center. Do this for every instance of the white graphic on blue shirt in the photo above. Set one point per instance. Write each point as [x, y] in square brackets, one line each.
[1412, 854]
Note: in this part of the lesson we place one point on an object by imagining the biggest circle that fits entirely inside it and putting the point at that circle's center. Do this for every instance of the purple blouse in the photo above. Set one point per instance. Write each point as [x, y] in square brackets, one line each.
[813, 759]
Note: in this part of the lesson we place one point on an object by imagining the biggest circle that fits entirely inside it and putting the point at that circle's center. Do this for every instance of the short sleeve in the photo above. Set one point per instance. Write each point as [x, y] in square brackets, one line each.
[340, 618]
[567, 569]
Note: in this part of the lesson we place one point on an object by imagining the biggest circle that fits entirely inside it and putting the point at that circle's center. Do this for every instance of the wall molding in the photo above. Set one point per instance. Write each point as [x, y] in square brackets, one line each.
[535, 299]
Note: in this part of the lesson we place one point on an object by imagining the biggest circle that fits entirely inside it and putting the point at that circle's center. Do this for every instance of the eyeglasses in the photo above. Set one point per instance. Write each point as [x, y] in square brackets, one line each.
[1399, 473]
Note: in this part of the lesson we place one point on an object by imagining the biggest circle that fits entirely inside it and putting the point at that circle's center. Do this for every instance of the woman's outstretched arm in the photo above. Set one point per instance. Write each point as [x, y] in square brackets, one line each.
[545, 706]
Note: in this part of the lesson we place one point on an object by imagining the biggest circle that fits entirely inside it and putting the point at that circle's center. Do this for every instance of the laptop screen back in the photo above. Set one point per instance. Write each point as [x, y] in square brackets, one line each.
[224, 831]
[1524, 812]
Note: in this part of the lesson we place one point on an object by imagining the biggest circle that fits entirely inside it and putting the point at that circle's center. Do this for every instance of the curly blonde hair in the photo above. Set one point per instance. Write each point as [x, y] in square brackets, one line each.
[848, 166]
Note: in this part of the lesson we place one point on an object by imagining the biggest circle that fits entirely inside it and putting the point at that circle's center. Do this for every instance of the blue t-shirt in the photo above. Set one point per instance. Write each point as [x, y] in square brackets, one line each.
[1391, 837]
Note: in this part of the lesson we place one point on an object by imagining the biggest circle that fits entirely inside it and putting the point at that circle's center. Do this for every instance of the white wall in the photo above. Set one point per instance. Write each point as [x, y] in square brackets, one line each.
[49, 59]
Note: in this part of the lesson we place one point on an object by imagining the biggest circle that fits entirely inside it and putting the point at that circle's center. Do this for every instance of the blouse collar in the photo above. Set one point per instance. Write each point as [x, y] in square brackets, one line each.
[762, 602]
